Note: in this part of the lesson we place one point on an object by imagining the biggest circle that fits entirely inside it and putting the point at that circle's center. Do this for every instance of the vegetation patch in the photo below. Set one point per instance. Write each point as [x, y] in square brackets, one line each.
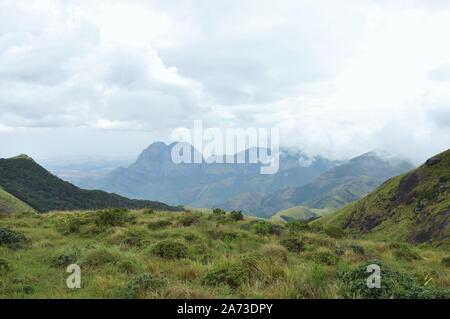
[228, 273]
[294, 245]
[67, 257]
[169, 249]
[113, 217]
[141, 284]
[12, 239]
[159, 224]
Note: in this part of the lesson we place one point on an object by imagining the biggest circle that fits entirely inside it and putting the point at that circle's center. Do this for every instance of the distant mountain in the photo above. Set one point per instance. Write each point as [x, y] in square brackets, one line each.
[154, 175]
[335, 188]
[27, 181]
[10, 204]
[414, 206]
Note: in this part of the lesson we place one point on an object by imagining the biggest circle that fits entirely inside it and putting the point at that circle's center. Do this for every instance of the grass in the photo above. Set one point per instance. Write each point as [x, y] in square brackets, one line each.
[197, 255]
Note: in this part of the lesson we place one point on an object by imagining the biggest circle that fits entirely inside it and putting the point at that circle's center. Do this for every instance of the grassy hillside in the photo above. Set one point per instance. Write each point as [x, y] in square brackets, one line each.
[10, 204]
[143, 254]
[26, 180]
[413, 207]
[301, 213]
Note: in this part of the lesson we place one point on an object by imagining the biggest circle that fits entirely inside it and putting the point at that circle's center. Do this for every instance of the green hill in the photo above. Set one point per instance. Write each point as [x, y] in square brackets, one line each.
[300, 213]
[413, 207]
[176, 255]
[23, 178]
[10, 204]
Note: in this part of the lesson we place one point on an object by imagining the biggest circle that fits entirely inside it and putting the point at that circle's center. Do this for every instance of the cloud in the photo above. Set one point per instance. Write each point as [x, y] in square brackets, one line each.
[338, 79]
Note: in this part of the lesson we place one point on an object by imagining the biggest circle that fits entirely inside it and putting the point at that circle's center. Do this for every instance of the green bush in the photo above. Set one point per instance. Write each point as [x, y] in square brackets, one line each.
[294, 245]
[394, 284]
[189, 220]
[159, 224]
[357, 249]
[219, 234]
[69, 225]
[298, 226]
[334, 231]
[148, 211]
[232, 274]
[264, 228]
[446, 261]
[405, 252]
[100, 257]
[112, 217]
[66, 258]
[4, 266]
[425, 293]
[327, 258]
[12, 239]
[236, 216]
[133, 238]
[218, 212]
[170, 249]
[139, 285]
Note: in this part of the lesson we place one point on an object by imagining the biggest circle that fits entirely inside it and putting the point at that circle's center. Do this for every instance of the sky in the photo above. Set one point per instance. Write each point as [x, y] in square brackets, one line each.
[339, 78]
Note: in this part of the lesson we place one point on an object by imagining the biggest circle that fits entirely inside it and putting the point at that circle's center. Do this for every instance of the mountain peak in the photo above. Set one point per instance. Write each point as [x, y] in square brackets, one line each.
[23, 156]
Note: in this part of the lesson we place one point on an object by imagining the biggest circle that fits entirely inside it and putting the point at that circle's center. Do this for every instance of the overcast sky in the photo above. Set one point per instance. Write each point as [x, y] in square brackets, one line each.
[338, 77]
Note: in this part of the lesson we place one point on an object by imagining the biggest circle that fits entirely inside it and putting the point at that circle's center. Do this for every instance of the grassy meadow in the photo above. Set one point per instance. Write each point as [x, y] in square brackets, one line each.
[191, 254]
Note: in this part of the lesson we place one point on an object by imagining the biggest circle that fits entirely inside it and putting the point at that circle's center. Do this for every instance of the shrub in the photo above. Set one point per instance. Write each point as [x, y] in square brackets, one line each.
[294, 245]
[334, 231]
[148, 211]
[327, 258]
[139, 285]
[446, 261]
[298, 226]
[133, 238]
[394, 284]
[112, 217]
[219, 234]
[159, 224]
[169, 249]
[218, 212]
[357, 249]
[425, 293]
[100, 257]
[275, 252]
[4, 266]
[11, 238]
[264, 228]
[236, 216]
[189, 220]
[404, 252]
[69, 225]
[232, 274]
[66, 258]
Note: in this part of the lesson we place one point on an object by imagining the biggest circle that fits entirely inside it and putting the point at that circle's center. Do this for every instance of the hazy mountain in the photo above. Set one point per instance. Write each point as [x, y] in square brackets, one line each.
[414, 206]
[154, 175]
[27, 181]
[333, 189]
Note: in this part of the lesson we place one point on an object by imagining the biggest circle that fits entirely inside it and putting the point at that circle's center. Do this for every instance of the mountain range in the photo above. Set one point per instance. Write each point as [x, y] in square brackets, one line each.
[332, 189]
[25, 186]
[414, 206]
[154, 175]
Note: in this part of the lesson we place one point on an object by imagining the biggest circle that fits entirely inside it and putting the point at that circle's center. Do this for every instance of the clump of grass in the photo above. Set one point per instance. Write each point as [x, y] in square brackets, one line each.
[446, 261]
[4, 266]
[357, 249]
[189, 220]
[169, 249]
[12, 239]
[159, 224]
[141, 284]
[131, 238]
[264, 228]
[228, 273]
[101, 256]
[67, 257]
[70, 225]
[327, 258]
[294, 245]
[275, 252]
[148, 211]
[403, 251]
[297, 226]
[236, 215]
[394, 284]
[112, 217]
[334, 231]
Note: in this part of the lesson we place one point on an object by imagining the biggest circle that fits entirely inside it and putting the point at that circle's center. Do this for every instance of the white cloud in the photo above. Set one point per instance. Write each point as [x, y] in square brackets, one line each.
[338, 78]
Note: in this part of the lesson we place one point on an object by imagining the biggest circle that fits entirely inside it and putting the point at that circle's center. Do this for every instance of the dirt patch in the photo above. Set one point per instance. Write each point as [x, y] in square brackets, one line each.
[432, 228]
